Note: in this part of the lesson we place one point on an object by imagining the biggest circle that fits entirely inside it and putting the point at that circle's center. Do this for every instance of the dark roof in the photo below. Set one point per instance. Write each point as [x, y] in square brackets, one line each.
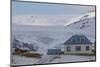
[54, 51]
[78, 39]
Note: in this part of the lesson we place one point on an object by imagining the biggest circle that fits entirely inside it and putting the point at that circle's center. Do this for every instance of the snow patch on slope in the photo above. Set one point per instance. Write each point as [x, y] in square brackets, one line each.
[82, 17]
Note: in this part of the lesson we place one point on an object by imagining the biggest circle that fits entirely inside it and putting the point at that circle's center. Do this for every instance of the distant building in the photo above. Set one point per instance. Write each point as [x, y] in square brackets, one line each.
[78, 44]
[54, 51]
[21, 51]
[32, 47]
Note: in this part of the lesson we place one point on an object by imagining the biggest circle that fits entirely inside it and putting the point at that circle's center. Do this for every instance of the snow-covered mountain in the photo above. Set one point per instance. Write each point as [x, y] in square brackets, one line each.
[84, 24]
[88, 15]
[27, 29]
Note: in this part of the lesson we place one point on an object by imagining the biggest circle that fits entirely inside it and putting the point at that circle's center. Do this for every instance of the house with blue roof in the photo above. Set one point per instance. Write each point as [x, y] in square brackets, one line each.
[78, 44]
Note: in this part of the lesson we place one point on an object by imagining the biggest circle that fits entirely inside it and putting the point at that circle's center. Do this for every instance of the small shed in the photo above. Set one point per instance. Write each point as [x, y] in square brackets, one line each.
[54, 52]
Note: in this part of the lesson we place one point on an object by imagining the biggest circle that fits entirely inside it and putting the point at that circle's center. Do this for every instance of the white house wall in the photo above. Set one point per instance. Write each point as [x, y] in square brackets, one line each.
[73, 49]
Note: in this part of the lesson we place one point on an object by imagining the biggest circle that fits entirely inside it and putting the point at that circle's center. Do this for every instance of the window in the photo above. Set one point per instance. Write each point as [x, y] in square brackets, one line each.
[87, 48]
[68, 48]
[82, 40]
[73, 40]
[78, 48]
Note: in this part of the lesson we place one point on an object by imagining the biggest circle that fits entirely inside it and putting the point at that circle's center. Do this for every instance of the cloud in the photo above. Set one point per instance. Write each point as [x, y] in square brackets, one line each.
[42, 20]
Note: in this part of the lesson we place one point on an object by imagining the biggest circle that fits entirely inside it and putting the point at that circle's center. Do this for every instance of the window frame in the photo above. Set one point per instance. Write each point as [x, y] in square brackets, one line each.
[87, 49]
[68, 48]
[77, 48]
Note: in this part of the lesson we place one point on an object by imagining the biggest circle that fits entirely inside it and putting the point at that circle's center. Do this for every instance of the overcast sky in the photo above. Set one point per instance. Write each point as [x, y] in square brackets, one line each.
[22, 8]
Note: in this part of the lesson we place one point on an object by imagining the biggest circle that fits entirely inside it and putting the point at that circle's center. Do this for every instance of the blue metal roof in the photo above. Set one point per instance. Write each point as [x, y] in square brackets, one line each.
[78, 39]
[54, 51]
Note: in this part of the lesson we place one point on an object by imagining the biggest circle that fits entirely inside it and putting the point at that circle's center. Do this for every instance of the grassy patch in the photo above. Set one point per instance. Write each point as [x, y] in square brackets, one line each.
[82, 54]
[86, 54]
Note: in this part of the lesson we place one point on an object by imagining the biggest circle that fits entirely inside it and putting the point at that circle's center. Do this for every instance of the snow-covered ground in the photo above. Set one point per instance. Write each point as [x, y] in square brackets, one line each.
[18, 60]
[21, 60]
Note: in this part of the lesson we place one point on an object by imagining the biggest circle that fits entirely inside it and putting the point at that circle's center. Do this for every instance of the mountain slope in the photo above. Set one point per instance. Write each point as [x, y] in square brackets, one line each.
[47, 37]
[84, 24]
